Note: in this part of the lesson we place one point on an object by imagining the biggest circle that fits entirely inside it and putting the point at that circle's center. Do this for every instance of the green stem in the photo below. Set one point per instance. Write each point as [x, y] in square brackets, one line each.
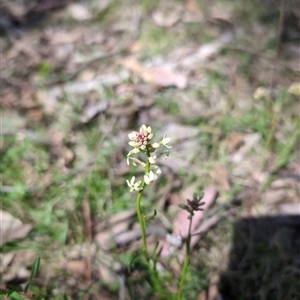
[142, 222]
[138, 209]
[186, 261]
[183, 276]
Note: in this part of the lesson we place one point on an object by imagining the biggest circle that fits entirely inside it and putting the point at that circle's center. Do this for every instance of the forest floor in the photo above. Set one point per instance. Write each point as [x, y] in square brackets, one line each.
[220, 78]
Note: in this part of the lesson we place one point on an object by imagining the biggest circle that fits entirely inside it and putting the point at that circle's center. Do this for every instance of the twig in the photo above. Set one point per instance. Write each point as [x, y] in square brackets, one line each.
[273, 114]
[86, 213]
[281, 27]
[249, 51]
[121, 279]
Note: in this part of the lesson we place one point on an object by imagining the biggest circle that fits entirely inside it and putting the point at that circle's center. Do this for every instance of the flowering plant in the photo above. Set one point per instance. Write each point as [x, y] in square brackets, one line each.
[141, 143]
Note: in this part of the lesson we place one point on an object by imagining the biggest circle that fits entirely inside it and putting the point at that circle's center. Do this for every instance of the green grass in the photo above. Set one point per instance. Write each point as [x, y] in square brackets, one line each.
[167, 104]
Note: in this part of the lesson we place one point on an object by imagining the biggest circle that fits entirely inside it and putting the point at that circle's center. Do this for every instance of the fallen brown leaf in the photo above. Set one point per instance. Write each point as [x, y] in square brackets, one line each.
[285, 183]
[274, 196]
[48, 103]
[250, 141]
[93, 110]
[16, 10]
[192, 6]
[205, 51]
[76, 267]
[213, 287]
[65, 37]
[25, 47]
[220, 176]
[86, 214]
[114, 231]
[166, 19]
[202, 295]
[162, 76]
[14, 265]
[87, 86]
[235, 140]
[11, 228]
[112, 220]
[221, 12]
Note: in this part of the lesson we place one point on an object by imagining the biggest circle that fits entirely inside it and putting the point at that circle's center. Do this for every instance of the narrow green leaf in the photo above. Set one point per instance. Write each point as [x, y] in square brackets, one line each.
[135, 256]
[151, 217]
[154, 249]
[34, 271]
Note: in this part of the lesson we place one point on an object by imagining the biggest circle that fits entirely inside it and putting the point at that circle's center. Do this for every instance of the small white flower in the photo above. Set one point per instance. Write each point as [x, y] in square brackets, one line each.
[174, 240]
[133, 135]
[155, 145]
[165, 141]
[133, 144]
[134, 186]
[147, 131]
[129, 158]
[143, 128]
[133, 151]
[152, 159]
[135, 161]
[150, 177]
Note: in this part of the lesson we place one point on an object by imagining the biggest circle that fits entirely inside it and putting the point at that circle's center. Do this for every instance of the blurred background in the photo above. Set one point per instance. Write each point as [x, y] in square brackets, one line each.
[220, 77]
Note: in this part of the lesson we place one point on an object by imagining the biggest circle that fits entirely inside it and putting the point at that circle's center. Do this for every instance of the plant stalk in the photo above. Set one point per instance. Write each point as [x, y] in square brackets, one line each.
[142, 222]
[186, 261]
